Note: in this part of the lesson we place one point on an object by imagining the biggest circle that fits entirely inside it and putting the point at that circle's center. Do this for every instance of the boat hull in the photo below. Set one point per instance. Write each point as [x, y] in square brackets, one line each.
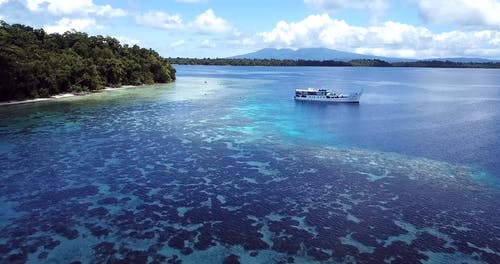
[352, 99]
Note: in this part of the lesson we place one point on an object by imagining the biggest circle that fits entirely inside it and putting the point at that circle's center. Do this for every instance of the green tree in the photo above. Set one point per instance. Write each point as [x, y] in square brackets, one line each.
[36, 64]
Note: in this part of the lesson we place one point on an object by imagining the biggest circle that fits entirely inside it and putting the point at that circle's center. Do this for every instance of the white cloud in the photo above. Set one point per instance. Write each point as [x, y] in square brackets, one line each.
[205, 23]
[209, 23]
[60, 6]
[376, 8]
[3, 1]
[303, 33]
[127, 40]
[387, 39]
[461, 12]
[393, 33]
[65, 7]
[67, 24]
[178, 43]
[244, 42]
[208, 44]
[107, 10]
[160, 19]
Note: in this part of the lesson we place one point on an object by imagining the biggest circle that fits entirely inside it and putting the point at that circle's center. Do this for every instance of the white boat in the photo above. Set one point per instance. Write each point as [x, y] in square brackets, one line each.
[323, 95]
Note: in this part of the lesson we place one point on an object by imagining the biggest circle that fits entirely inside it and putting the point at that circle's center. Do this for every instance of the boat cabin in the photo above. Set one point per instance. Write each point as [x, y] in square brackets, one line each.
[310, 91]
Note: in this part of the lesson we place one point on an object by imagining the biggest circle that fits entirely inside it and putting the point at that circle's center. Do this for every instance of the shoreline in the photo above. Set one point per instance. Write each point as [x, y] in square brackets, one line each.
[66, 95]
[53, 97]
[63, 95]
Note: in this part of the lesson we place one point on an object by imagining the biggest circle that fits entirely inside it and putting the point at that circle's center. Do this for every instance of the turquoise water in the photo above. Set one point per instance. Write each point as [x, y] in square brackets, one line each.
[223, 165]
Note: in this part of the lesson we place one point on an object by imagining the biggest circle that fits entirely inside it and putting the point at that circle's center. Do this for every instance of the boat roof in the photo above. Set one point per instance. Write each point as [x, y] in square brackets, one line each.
[309, 90]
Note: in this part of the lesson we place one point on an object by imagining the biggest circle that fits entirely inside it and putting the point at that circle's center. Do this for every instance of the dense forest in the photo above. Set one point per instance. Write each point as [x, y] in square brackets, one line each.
[331, 63]
[36, 64]
[447, 64]
[254, 62]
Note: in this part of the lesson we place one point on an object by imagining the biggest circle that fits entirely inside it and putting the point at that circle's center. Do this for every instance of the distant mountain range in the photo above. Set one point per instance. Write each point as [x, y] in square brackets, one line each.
[322, 54]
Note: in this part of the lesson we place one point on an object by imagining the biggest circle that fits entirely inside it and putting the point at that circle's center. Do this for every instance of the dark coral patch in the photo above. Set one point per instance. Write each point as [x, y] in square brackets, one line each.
[43, 255]
[17, 258]
[136, 256]
[177, 242]
[401, 252]
[66, 232]
[186, 250]
[4, 249]
[365, 239]
[318, 254]
[51, 244]
[148, 235]
[490, 258]
[99, 231]
[204, 242]
[50, 198]
[108, 201]
[286, 245]
[99, 211]
[174, 260]
[232, 259]
[104, 250]
[254, 243]
[428, 242]
[340, 251]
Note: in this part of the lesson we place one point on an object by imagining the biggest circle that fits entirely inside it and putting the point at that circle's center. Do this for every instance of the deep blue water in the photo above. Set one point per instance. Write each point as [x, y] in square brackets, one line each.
[450, 115]
[223, 165]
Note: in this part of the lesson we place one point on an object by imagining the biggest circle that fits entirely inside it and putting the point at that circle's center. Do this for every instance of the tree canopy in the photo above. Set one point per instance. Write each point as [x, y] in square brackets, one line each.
[36, 64]
[332, 63]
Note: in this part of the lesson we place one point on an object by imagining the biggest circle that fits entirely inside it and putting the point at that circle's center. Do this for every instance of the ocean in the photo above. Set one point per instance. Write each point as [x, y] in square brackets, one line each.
[224, 166]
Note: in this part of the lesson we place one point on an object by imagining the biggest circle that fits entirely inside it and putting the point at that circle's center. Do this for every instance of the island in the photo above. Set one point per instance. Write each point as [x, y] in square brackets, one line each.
[434, 63]
[34, 64]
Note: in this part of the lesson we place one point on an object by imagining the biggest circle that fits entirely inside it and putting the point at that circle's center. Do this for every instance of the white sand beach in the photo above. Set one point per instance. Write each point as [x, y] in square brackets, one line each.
[63, 95]
[57, 96]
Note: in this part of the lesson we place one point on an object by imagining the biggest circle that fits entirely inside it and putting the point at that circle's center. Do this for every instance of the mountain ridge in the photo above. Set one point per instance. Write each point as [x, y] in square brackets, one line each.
[322, 54]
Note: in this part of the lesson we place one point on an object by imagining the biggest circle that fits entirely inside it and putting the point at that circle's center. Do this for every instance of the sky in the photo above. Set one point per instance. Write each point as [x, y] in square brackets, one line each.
[223, 28]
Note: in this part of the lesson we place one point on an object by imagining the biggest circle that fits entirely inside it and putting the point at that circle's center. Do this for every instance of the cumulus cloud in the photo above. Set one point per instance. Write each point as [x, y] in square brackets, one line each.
[387, 39]
[376, 8]
[67, 24]
[160, 19]
[205, 23]
[244, 42]
[209, 23]
[305, 32]
[177, 43]
[107, 10]
[461, 12]
[64, 7]
[127, 40]
[208, 44]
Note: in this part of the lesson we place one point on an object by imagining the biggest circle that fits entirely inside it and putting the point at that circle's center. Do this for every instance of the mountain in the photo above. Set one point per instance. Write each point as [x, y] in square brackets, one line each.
[319, 54]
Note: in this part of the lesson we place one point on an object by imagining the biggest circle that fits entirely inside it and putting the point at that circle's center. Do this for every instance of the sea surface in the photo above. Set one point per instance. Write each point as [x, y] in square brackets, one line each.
[224, 166]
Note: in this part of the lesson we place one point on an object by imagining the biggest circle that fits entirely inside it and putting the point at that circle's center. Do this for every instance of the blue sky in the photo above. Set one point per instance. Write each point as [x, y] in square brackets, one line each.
[222, 28]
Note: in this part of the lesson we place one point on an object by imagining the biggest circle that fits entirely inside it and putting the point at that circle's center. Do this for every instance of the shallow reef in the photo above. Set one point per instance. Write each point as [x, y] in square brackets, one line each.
[171, 184]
